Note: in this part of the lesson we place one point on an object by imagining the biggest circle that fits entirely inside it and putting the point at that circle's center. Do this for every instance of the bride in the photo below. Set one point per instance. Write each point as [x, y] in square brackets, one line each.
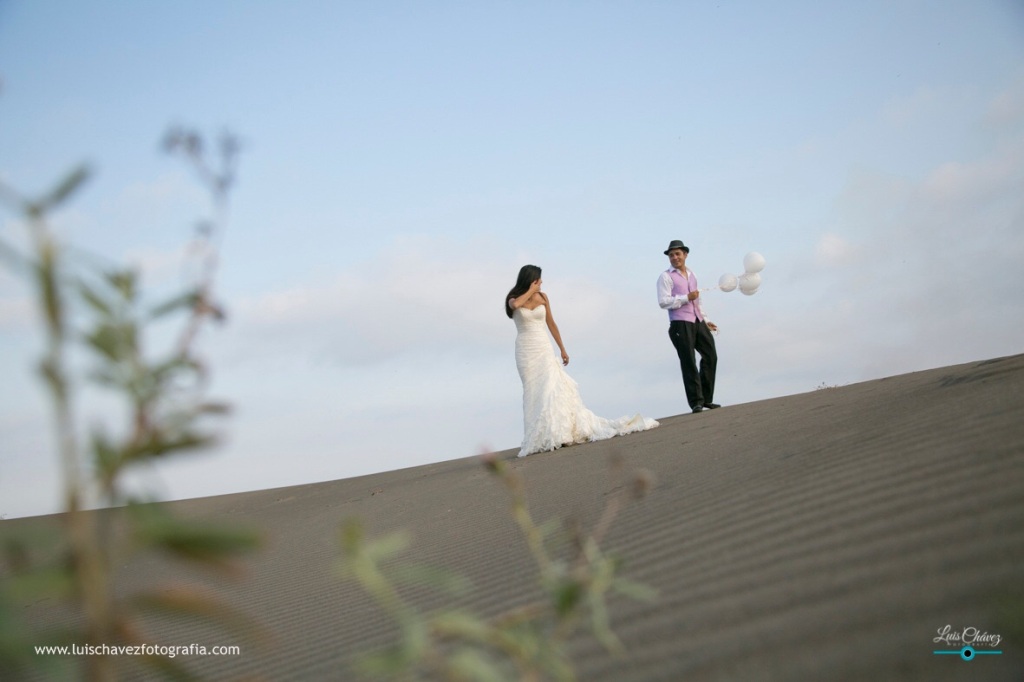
[553, 412]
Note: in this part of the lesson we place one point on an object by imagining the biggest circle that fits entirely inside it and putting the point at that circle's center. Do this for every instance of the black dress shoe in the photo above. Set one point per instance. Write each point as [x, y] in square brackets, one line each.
[712, 406]
[698, 408]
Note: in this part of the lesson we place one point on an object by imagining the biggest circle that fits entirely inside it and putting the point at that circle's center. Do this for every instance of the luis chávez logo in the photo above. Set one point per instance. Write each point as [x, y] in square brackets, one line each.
[971, 642]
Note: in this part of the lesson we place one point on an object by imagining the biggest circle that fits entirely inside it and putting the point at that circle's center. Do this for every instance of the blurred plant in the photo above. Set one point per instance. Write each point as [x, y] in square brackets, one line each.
[529, 642]
[104, 315]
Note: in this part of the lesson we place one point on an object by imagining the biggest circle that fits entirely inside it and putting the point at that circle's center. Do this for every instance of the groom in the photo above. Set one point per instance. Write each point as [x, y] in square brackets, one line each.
[688, 328]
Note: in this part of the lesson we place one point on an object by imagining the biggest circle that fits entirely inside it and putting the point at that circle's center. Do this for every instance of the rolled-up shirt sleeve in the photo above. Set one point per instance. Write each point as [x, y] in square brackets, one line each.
[665, 297]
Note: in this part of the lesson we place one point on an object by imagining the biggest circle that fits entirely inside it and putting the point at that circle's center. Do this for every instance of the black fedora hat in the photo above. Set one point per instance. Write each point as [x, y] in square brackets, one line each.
[677, 244]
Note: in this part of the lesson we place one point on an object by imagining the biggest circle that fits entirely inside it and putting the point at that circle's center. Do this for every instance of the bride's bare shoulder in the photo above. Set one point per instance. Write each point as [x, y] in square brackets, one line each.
[535, 301]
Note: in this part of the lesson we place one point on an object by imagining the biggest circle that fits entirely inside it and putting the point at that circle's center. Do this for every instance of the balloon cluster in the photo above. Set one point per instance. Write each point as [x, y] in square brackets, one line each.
[749, 281]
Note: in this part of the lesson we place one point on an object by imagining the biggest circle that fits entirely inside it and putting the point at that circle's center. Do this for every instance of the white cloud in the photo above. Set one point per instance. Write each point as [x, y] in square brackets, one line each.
[976, 181]
[16, 314]
[1006, 110]
[935, 266]
[138, 202]
[156, 265]
[423, 295]
[834, 250]
[907, 110]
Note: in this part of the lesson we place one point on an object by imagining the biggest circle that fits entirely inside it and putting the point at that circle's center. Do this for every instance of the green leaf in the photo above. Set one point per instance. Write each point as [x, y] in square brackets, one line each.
[415, 636]
[106, 455]
[462, 624]
[64, 189]
[386, 547]
[105, 377]
[94, 300]
[550, 527]
[163, 371]
[386, 664]
[186, 301]
[17, 644]
[635, 590]
[567, 597]
[431, 576]
[351, 537]
[46, 280]
[196, 604]
[116, 342]
[214, 408]
[601, 625]
[204, 543]
[124, 282]
[470, 664]
[45, 582]
[159, 444]
[53, 377]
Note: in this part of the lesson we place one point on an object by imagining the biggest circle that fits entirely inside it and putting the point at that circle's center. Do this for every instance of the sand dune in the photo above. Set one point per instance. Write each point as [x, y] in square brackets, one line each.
[827, 535]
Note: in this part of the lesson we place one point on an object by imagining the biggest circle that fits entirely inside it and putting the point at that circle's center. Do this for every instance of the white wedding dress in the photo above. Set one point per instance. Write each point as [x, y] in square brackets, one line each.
[553, 412]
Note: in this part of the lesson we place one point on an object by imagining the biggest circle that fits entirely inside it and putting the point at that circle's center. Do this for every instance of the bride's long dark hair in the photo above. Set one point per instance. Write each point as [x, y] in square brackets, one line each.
[528, 274]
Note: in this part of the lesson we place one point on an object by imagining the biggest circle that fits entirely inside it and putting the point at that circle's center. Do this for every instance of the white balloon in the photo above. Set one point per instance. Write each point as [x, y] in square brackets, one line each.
[727, 282]
[749, 283]
[753, 262]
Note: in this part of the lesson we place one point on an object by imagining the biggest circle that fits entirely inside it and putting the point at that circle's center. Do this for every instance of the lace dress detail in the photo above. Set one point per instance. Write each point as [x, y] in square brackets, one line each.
[553, 412]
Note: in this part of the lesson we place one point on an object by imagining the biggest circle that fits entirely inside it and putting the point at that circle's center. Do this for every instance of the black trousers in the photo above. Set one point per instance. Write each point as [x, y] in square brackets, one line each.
[688, 338]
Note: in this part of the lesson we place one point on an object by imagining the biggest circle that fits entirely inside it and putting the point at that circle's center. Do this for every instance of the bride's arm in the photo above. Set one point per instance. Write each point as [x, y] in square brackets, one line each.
[520, 301]
[554, 328]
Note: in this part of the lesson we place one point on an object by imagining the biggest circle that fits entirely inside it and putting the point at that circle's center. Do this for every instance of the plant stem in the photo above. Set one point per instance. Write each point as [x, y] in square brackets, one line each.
[86, 554]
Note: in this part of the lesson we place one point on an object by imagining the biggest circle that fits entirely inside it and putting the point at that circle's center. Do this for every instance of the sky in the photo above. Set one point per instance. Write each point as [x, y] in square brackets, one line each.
[402, 160]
